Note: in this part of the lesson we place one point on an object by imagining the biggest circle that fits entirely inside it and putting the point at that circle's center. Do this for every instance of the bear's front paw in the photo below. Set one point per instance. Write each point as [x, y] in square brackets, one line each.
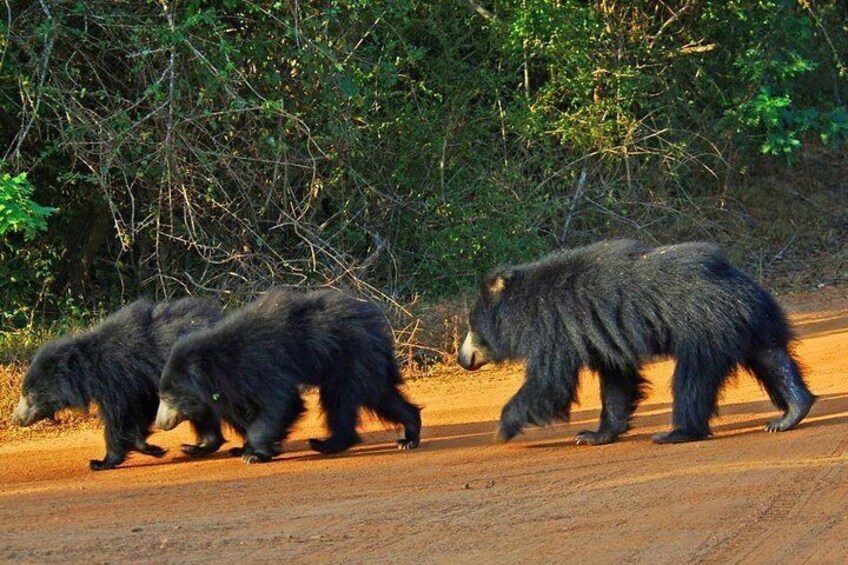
[101, 464]
[408, 443]
[513, 421]
[506, 432]
[152, 450]
[252, 457]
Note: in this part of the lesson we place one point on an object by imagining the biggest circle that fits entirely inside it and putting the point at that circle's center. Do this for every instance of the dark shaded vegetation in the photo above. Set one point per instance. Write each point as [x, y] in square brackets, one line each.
[405, 147]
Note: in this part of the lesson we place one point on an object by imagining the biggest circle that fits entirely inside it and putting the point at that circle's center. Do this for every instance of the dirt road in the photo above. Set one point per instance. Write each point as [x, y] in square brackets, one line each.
[743, 496]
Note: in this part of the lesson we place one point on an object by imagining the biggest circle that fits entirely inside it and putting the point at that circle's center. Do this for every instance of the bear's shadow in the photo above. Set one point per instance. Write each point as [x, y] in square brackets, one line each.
[829, 410]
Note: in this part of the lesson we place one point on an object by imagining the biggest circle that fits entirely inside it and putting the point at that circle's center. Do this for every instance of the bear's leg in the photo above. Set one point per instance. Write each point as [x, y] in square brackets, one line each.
[140, 430]
[209, 436]
[117, 447]
[695, 385]
[546, 395]
[267, 432]
[342, 412]
[621, 391]
[148, 448]
[780, 376]
[393, 407]
[241, 431]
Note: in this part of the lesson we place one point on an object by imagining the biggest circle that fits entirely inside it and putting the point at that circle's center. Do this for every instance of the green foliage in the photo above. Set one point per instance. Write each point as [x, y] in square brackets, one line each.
[774, 108]
[26, 271]
[18, 213]
[462, 239]
[202, 146]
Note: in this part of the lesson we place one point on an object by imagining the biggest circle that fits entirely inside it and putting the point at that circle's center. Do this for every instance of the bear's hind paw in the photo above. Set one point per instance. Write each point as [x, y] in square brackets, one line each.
[792, 418]
[588, 437]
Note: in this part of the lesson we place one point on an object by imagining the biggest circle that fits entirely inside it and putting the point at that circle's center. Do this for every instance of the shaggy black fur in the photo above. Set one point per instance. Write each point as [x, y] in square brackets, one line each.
[611, 305]
[117, 365]
[249, 368]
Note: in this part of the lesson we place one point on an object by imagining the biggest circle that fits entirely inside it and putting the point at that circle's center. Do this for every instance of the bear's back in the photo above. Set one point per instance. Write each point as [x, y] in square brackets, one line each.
[172, 320]
[626, 265]
[125, 329]
[321, 321]
[642, 294]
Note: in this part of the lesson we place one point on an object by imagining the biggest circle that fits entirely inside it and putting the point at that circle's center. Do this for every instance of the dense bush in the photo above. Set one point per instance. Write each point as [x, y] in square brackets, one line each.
[403, 146]
[18, 213]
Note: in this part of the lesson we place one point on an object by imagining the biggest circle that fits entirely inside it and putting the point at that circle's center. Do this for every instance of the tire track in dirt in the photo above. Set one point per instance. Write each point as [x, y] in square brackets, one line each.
[788, 509]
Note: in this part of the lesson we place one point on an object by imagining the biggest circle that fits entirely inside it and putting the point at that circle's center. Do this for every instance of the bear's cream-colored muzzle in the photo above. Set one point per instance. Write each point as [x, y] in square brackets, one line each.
[472, 355]
[25, 414]
[167, 417]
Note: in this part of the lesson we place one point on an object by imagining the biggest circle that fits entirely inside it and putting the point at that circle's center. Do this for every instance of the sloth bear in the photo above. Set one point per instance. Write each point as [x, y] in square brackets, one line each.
[117, 365]
[248, 369]
[611, 305]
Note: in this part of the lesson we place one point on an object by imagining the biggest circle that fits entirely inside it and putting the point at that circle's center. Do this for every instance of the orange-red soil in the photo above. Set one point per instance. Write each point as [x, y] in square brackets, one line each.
[743, 496]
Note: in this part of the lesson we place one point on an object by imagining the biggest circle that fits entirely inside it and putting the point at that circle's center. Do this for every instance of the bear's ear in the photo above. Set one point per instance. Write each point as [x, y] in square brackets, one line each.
[497, 283]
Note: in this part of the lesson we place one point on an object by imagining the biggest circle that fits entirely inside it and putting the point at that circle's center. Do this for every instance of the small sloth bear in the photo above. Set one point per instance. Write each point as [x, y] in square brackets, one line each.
[248, 369]
[611, 305]
[117, 365]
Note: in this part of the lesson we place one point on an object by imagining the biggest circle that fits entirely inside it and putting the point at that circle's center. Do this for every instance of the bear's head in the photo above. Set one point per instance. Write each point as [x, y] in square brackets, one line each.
[483, 342]
[53, 382]
[182, 394]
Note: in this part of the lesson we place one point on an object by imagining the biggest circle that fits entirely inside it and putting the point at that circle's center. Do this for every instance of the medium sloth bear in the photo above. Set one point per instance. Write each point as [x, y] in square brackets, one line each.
[611, 305]
[117, 365]
[248, 370]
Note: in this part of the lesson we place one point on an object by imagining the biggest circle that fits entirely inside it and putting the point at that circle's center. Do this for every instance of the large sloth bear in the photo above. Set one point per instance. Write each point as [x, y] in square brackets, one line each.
[611, 305]
[249, 368]
[117, 365]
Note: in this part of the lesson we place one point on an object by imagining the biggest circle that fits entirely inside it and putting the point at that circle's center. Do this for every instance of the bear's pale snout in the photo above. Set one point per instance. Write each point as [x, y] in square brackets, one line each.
[167, 417]
[472, 355]
[25, 414]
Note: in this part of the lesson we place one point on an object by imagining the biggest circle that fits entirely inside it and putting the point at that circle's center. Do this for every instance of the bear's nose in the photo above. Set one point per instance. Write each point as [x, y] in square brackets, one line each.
[22, 412]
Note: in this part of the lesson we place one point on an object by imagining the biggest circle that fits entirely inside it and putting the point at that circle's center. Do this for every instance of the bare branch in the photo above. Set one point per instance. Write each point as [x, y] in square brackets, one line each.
[486, 14]
[21, 136]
